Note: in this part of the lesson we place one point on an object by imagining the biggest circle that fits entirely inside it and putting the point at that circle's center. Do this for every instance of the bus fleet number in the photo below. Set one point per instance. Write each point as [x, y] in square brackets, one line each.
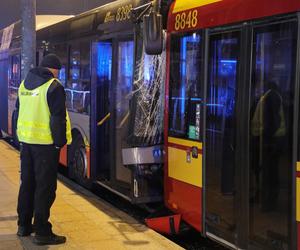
[123, 13]
[186, 20]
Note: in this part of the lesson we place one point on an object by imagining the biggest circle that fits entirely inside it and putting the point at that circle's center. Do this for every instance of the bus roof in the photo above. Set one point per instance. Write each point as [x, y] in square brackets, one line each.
[43, 21]
[108, 18]
[212, 13]
[182, 5]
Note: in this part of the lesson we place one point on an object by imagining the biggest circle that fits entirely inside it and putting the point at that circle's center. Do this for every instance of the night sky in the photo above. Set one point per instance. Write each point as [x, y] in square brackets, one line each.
[10, 9]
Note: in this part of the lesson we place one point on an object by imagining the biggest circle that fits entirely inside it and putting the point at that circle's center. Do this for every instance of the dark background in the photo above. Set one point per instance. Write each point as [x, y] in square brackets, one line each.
[10, 10]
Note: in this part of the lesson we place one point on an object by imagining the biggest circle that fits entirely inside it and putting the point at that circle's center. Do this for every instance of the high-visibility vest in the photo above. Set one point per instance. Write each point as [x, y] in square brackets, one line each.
[33, 124]
[257, 122]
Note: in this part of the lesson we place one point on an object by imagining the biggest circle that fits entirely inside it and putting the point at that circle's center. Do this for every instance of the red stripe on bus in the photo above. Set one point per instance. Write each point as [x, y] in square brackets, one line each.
[298, 174]
[298, 232]
[182, 147]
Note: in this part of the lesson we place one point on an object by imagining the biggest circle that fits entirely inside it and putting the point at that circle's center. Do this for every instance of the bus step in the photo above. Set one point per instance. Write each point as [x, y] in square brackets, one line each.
[166, 224]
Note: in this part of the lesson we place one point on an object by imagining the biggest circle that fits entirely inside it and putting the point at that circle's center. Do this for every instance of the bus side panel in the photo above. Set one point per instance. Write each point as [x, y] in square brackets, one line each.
[180, 195]
[298, 235]
[3, 95]
[185, 199]
[184, 191]
[298, 203]
[88, 156]
[224, 12]
[63, 156]
[12, 98]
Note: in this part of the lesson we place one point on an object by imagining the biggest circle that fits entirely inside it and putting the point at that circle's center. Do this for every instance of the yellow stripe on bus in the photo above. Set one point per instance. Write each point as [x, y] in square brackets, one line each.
[184, 142]
[182, 5]
[298, 199]
[180, 167]
[298, 194]
[298, 166]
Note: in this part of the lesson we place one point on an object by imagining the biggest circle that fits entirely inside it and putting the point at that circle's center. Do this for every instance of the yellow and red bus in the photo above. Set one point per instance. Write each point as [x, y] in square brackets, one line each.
[232, 120]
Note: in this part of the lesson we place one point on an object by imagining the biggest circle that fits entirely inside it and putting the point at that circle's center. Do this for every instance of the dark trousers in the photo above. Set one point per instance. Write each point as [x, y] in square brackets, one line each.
[270, 173]
[38, 185]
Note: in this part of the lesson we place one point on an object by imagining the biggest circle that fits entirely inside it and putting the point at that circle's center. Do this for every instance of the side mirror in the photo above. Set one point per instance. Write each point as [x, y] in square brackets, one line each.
[153, 33]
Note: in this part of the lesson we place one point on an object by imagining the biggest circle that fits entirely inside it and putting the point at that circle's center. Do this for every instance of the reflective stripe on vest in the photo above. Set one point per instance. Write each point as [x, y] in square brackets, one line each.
[69, 133]
[34, 116]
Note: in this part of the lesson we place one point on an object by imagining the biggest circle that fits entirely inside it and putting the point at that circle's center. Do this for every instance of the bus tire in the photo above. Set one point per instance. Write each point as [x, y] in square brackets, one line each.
[77, 162]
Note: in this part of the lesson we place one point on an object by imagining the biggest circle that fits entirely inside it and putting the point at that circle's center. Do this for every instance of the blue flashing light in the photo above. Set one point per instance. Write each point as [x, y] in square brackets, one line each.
[227, 61]
[214, 105]
[196, 99]
[180, 98]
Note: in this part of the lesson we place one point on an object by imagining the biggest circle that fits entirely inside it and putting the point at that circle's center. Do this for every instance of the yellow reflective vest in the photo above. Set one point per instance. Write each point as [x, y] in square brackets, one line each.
[257, 122]
[33, 125]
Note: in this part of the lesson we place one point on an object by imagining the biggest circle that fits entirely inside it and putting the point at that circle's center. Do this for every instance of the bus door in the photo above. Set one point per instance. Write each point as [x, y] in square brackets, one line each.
[14, 80]
[220, 136]
[112, 83]
[183, 187]
[122, 94]
[273, 95]
[4, 62]
[101, 108]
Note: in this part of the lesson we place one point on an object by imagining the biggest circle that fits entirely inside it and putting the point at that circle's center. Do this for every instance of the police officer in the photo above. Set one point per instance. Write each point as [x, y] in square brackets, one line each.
[43, 127]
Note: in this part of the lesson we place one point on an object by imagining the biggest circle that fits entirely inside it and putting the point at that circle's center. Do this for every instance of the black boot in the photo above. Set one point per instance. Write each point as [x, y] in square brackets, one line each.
[24, 231]
[51, 239]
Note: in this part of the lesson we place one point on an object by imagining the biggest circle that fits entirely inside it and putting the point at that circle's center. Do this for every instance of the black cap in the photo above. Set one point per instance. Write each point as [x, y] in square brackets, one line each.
[51, 61]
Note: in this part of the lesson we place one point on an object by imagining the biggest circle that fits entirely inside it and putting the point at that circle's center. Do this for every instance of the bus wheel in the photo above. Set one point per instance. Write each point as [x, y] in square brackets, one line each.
[78, 165]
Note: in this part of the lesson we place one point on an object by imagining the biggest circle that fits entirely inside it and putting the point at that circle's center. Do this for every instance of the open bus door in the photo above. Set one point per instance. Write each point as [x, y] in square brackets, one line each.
[183, 174]
[125, 156]
[111, 95]
[101, 85]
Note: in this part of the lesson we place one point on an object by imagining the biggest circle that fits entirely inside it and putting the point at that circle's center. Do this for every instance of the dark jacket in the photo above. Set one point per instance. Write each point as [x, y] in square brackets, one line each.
[271, 114]
[56, 99]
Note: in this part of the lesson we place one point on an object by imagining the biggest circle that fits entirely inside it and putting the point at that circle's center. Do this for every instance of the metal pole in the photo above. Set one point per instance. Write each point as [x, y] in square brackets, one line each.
[28, 57]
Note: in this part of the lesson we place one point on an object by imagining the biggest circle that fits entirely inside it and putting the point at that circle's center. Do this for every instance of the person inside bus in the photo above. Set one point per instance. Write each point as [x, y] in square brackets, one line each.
[268, 129]
[43, 127]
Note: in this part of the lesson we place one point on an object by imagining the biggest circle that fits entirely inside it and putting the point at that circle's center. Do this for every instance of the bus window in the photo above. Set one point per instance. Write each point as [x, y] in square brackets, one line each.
[123, 92]
[78, 85]
[184, 89]
[15, 71]
[61, 50]
[102, 79]
[147, 101]
[221, 123]
[222, 90]
[124, 82]
[74, 77]
[14, 78]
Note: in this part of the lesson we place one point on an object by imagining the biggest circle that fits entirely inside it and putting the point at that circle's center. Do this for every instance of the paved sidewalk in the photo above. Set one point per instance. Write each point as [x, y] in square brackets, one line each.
[87, 221]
